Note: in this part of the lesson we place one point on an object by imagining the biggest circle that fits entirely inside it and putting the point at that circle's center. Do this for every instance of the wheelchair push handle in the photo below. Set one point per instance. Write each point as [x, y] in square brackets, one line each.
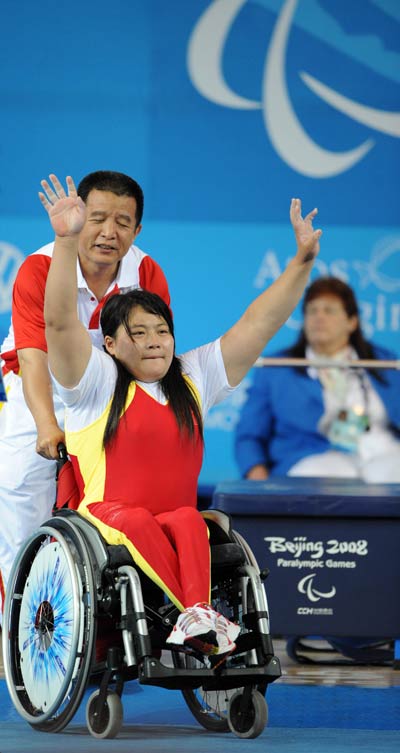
[62, 453]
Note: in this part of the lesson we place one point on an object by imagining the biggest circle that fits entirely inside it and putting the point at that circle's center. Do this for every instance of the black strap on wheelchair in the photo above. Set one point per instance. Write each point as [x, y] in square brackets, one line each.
[128, 622]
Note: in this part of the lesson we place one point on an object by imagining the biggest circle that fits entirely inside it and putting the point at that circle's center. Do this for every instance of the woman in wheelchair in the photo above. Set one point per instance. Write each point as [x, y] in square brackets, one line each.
[135, 413]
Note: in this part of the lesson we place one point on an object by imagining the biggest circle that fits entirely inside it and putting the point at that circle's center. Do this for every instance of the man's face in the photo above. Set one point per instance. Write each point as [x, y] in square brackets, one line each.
[109, 230]
[327, 326]
[147, 350]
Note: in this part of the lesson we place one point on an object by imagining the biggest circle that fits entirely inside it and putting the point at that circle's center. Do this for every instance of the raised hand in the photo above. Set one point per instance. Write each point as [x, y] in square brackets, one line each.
[67, 213]
[306, 237]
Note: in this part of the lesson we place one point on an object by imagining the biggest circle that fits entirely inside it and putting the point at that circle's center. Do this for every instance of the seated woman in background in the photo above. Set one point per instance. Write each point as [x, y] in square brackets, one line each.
[327, 421]
[134, 414]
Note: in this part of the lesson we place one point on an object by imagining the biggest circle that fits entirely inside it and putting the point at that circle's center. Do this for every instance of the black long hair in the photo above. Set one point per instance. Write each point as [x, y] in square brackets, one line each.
[336, 287]
[176, 389]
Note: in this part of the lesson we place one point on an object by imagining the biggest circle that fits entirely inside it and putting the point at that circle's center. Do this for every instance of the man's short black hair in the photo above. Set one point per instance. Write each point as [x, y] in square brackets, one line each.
[118, 183]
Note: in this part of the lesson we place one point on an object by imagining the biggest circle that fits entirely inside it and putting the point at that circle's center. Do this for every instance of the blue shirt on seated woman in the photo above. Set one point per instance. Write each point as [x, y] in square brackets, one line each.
[326, 421]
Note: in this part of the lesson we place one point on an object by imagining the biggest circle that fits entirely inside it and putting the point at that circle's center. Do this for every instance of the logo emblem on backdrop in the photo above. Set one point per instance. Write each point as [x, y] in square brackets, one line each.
[10, 260]
[292, 143]
[374, 270]
[306, 586]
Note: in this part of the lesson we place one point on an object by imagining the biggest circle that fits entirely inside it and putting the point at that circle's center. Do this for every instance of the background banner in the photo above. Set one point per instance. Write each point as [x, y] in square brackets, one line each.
[223, 110]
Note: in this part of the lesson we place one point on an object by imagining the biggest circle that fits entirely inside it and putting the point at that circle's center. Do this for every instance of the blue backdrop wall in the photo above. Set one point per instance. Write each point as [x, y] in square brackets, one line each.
[223, 110]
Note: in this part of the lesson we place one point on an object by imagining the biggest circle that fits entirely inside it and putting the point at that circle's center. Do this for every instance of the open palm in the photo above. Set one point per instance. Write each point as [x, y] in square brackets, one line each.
[67, 213]
[307, 238]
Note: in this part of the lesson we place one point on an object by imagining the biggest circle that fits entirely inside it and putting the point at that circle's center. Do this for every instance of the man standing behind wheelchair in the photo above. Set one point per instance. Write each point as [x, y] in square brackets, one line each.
[134, 415]
[31, 421]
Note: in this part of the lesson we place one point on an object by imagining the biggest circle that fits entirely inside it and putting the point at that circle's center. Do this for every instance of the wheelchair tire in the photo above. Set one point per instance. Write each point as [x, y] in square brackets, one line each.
[108, 722]
[49, 626]
[249, 723]
[209, 707]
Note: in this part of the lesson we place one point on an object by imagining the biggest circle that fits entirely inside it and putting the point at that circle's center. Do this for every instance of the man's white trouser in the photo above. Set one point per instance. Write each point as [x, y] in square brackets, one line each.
[27, 481]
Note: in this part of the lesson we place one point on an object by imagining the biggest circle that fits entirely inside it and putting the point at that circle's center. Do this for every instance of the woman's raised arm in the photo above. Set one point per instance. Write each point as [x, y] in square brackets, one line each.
[69, 345]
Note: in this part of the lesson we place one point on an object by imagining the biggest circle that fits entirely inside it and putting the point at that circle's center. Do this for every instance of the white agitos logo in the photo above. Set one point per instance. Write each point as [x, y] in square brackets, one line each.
[305, 586]
[293, 144]
[10, 260]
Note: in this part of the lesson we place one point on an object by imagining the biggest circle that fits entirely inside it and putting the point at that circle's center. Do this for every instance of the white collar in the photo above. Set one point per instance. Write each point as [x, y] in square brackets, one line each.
[345, 354]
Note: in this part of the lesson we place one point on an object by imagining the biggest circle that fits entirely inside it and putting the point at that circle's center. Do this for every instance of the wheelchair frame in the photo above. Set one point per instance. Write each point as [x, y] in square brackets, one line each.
[66, 580]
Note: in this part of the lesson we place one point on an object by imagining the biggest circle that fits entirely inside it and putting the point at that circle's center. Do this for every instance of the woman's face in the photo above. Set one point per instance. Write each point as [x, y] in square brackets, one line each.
[147, 350]
[327, 326]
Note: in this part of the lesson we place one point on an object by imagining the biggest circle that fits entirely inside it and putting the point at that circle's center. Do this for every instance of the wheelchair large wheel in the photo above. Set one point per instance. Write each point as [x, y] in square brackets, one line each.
[49, 627]
[209, 707]
[214, 709]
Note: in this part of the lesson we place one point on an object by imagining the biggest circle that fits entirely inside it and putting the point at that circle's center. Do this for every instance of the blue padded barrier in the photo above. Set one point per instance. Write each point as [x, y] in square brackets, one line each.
[332, 548]
[323, 497]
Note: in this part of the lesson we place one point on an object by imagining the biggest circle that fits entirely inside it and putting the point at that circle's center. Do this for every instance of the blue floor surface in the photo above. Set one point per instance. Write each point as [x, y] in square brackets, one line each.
[303, 719]
[189, 739]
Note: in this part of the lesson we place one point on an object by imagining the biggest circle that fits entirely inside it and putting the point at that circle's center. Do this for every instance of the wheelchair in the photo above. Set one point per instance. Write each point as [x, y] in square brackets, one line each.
[77, 610]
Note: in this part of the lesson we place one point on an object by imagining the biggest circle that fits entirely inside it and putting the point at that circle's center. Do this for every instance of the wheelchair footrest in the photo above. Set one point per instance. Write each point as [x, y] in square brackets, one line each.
[153, 672]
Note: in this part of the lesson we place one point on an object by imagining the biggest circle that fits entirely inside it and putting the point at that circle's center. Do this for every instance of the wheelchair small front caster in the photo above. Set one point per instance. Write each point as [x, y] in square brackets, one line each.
[107, 722]
[247, 722]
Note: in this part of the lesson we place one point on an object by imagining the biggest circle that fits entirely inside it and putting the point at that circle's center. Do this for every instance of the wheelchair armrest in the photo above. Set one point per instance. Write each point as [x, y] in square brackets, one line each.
[118, 555]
